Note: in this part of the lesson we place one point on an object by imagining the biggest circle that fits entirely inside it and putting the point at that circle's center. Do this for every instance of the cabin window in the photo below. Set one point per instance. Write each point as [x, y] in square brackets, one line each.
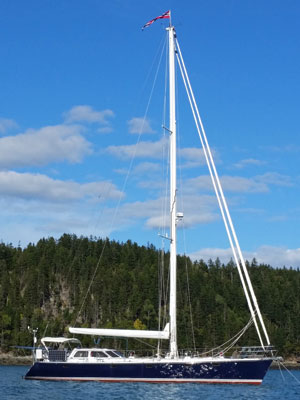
[119, 353]
[112, 354]
[98, 354]
[81, 354]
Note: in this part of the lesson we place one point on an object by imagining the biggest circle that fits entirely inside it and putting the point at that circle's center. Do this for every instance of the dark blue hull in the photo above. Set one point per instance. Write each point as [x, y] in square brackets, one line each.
[226, 371]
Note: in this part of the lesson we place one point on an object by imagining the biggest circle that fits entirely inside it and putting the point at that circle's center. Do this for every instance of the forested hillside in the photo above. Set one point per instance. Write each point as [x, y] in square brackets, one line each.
[95, 282]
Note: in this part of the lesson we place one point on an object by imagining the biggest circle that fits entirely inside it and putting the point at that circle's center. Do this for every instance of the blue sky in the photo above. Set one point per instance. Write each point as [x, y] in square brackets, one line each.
[75, 81]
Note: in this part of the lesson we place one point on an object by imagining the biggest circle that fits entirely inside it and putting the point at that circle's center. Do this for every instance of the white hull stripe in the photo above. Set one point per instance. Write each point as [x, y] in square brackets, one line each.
[152, 380]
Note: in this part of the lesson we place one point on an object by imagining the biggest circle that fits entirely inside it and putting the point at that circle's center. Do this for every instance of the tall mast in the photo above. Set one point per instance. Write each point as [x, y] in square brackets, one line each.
[173, 251]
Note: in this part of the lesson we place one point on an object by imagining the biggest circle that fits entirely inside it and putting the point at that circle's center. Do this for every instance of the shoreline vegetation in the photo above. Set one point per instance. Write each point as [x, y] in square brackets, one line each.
[93, 282]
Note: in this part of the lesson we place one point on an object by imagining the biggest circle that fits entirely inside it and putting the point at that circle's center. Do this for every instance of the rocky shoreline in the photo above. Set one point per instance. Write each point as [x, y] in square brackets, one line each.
[289, 364]
[12, 359]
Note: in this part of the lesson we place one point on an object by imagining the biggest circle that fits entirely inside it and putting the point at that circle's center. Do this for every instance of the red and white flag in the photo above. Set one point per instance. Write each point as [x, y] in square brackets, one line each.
[163, 16]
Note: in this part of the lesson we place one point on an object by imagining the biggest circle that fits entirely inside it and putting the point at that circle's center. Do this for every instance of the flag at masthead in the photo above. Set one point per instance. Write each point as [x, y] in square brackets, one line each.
[167, 14]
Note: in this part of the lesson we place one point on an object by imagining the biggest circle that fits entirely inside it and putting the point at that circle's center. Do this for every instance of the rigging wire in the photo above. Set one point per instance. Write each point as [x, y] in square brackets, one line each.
[116, 210]
[92, 281]
[184, 230]
[159, 52]
[166, 155]
[160, 290]
[222, 203]
[147, 344]
[162, 228]
[279, 366]
[232, 340]
[104, 195]
[296, 379]
[189, 292]
[164, 204]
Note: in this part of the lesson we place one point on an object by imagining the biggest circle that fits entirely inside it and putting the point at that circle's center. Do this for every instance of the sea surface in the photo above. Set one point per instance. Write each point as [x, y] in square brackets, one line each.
[277, 385]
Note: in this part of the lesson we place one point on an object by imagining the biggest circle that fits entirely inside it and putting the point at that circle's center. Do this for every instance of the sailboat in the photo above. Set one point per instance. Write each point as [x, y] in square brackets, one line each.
[248, 366]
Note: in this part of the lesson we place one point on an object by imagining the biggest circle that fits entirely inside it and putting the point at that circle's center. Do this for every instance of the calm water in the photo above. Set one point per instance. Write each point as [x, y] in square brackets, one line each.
[276, 386]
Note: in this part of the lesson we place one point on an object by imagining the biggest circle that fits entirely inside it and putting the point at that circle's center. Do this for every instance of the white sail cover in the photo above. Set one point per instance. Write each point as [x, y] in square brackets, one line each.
[134, 333]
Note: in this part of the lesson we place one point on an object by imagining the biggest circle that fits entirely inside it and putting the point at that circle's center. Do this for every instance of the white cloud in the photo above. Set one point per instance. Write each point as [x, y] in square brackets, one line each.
[85, 113]
[28, 221]
[275, 256]
[229, 183]
[151, 212]
[198, 209]
[190, 156]
[212, 253]
[146, 168]
[194, 156]
[257, 184]
[40, 187]
[153, 183]
[289, 148]
[40, 147]
[278, 218]
[200, 183]
[190, 220]
[141, 150]
[139, 126]
[241, 184]
[105, 129]
[250, 161]
[278, 256]
[273, 178]
[148, 149]
[6, 124]
[34, 206]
